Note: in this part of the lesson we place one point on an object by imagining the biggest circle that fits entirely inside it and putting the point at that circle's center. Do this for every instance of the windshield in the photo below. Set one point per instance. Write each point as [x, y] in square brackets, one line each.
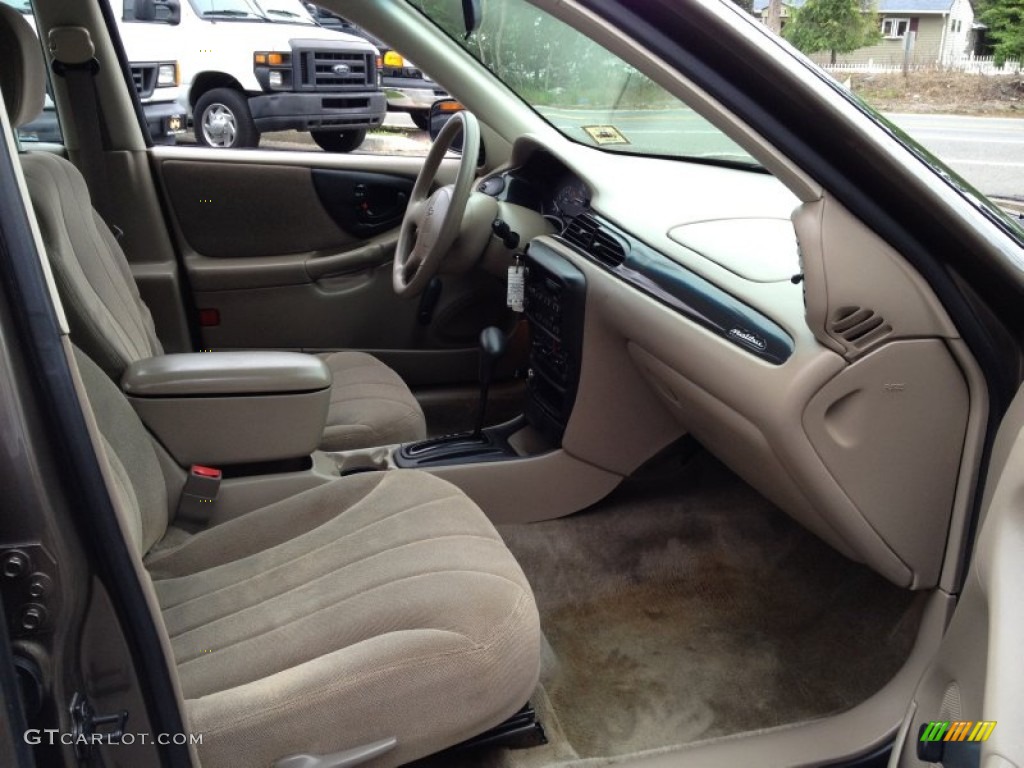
[22, 5]
[240, 9]
[585, 91]
[290, 11]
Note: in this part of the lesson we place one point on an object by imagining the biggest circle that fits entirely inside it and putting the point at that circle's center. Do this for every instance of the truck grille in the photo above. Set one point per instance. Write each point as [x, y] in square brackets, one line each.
[144, 79]
[322, 70]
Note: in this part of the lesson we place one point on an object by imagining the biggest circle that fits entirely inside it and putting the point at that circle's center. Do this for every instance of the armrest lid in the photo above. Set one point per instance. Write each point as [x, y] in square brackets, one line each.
[225, 373]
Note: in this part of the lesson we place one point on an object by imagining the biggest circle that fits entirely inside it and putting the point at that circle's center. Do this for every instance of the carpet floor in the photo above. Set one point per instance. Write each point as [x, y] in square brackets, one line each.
[685, 607]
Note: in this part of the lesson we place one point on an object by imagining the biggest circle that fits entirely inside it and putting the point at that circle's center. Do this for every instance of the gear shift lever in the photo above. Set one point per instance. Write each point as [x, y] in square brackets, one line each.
[492, 347]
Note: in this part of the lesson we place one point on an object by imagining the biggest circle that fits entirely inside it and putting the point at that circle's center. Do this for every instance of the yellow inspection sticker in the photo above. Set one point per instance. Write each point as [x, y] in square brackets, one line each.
[605, 134]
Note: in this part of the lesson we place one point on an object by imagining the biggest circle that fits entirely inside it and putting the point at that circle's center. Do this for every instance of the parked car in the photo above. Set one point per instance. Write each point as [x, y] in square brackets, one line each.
[249, 67]
[677, 420]
[406, 86]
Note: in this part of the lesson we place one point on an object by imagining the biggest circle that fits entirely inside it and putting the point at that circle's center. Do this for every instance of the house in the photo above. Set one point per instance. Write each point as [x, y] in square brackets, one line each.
[941, 31]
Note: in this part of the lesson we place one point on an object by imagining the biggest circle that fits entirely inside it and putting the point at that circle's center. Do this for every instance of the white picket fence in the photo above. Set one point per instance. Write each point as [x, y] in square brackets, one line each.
[978, 65]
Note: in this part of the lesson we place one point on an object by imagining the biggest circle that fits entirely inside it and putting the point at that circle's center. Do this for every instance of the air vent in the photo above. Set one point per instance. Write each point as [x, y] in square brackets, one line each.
[580, 231]
[607, 249]
[588, 235]
[858, 326]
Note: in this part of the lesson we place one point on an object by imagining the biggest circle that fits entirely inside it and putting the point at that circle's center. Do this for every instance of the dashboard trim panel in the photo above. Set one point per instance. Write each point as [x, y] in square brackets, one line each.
[689, 294]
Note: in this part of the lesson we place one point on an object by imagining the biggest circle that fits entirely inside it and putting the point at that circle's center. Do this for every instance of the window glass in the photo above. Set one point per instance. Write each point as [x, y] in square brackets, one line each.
[274, 74]
[585, 91]
[46, 127]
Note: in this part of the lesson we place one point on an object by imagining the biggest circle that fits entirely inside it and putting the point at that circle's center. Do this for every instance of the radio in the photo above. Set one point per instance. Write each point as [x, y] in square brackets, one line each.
[554, 298]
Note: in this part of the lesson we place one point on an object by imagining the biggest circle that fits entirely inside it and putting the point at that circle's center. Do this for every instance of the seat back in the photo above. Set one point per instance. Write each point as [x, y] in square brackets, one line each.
[138, 479]
[108, 318]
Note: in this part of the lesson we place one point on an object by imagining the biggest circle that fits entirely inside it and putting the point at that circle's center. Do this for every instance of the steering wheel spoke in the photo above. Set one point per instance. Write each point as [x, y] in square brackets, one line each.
[433, 218]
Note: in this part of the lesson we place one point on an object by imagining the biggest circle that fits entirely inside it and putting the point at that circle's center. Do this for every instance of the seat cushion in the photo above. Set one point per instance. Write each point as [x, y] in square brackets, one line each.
[370, 405]
[382, 604]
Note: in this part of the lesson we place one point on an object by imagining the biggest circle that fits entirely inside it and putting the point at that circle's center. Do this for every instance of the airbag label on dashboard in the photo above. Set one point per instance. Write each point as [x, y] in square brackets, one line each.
[605, 134]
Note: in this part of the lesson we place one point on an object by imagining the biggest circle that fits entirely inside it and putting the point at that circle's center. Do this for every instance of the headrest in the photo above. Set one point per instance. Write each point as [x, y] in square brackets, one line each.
[22, 68]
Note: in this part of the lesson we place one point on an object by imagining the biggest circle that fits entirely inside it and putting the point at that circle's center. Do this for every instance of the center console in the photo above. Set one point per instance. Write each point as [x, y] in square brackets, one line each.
[555, 295]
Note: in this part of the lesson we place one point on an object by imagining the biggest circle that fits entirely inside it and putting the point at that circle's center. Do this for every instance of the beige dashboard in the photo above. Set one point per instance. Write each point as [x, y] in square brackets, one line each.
[867, 433]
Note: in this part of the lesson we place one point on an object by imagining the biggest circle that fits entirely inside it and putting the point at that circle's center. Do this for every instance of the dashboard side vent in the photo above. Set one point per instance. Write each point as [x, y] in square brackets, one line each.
[858, 326]
[580, 231]
[588, 235]
[607, 249]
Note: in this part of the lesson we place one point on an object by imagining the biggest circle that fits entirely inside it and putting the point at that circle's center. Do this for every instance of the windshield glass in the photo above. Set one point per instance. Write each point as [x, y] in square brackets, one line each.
[240, 9]
[290, 11]
[585, 91]
[22, 5]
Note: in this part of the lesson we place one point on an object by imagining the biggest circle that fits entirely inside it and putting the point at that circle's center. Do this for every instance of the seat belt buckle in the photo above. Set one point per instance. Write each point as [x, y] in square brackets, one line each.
[200, 493]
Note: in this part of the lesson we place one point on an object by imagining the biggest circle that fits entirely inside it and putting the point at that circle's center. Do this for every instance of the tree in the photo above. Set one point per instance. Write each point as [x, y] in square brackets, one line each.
[1005, 20]
[838, 26]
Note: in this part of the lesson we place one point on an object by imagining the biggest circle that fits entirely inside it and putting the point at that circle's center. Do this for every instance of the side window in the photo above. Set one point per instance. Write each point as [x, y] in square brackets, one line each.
[46, 127]
[274, 74]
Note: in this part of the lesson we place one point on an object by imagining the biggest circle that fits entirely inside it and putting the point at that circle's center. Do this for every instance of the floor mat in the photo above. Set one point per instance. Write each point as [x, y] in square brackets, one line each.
[685, 607]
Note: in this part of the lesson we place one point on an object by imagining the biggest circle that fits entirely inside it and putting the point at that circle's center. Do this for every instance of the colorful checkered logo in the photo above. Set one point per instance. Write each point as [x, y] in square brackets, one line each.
[958, 730]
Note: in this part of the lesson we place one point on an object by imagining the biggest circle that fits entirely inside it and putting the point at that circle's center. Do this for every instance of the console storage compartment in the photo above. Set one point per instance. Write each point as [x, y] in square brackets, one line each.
[225, 408]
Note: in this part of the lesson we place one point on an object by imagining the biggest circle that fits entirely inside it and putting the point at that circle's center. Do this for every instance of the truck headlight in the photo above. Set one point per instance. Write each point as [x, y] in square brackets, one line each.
[167, 75]
[276, 79]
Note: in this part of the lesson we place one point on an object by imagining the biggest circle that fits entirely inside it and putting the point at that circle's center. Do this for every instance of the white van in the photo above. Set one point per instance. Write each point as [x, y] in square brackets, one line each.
[156, 75]
[251, 66]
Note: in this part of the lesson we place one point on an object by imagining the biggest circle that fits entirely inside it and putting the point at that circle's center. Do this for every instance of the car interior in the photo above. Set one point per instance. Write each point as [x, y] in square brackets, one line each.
[699, 486]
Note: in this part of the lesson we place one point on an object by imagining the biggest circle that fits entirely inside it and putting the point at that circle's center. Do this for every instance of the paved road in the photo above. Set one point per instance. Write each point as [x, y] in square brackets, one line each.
[987, 151]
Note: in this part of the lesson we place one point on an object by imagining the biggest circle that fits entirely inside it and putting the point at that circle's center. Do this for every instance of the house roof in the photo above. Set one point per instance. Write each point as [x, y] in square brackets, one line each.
[882, 6]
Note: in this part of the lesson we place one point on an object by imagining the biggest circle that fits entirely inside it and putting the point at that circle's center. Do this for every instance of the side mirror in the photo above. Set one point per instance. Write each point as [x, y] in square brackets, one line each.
[161, 11]
[441, 112]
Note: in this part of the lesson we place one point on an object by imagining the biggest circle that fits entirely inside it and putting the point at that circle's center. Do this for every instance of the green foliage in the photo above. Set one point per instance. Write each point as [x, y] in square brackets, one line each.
[839, 26]
[1005, 20]
[544, 60]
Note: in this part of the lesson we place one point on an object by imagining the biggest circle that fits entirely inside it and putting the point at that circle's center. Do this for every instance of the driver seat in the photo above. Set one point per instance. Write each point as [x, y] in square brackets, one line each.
[370, 404]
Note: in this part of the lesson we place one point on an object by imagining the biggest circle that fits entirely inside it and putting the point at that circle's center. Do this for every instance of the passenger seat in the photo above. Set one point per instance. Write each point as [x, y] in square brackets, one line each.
[379, 606]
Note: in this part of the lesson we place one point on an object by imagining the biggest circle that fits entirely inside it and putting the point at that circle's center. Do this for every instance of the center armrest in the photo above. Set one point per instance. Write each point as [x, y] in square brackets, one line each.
[225, 373]
[226, 408]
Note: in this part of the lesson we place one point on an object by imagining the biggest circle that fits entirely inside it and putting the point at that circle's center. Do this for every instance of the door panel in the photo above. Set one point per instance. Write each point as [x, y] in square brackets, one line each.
[296, 252]
[230, 210]
[976, 676]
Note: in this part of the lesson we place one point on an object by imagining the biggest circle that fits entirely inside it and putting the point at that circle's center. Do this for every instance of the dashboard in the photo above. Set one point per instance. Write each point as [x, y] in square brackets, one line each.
[704, 315]
[545, 185]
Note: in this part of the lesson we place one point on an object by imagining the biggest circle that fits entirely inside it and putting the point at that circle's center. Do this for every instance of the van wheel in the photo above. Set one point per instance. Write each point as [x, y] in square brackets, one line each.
[339, 141]
[421, 119]
[222, 119]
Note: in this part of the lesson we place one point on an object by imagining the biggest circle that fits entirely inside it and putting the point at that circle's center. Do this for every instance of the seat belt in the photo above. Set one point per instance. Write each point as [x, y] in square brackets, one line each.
[74, 60]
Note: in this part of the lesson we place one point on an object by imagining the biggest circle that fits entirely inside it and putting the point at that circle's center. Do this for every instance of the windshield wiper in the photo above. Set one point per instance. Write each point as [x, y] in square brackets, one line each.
[231, 13]
[278, 12]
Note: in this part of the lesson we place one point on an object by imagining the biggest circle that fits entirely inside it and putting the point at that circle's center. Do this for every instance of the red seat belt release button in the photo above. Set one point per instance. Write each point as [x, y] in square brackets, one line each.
[200, 493]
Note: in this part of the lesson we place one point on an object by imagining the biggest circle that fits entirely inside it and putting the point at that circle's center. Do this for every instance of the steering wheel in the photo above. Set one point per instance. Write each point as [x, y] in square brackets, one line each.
[432, 222]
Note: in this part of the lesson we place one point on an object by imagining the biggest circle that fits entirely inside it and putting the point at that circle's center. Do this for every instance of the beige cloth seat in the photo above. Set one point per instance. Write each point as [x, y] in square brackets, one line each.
[370, 404]
[378, 605]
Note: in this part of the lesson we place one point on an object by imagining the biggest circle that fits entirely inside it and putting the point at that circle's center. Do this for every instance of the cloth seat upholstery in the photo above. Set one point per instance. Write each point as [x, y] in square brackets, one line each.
[376, 605]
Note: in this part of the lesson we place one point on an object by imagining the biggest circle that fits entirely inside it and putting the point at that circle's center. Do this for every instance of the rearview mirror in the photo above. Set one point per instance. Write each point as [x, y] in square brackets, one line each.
[471, 15]
[441, 112]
